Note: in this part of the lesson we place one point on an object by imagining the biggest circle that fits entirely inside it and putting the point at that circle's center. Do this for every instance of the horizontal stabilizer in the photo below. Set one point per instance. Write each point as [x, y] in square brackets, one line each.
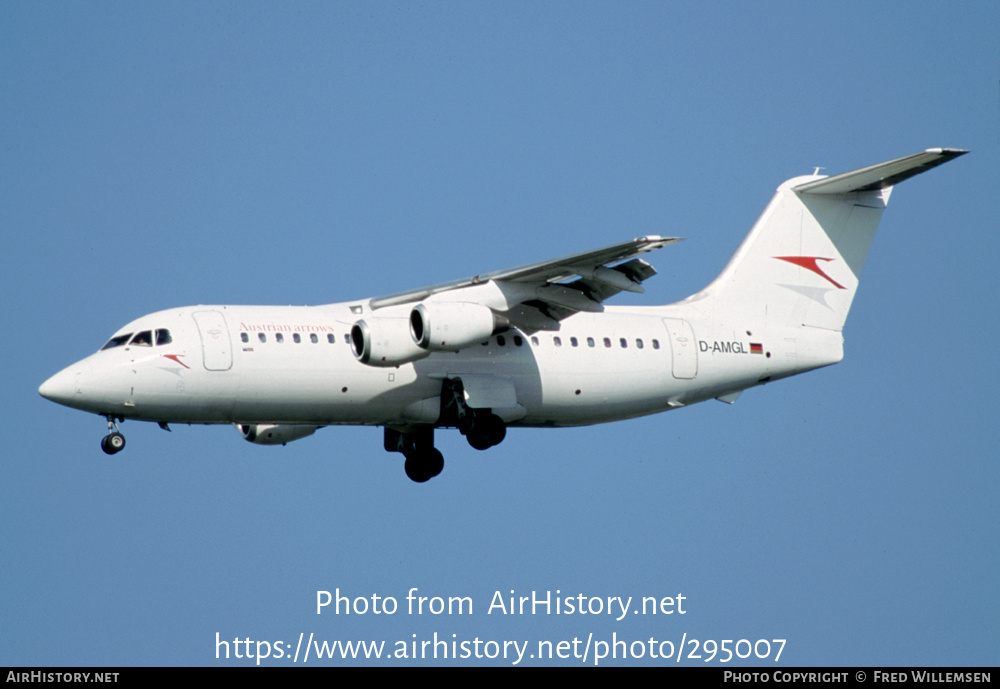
[882, 175]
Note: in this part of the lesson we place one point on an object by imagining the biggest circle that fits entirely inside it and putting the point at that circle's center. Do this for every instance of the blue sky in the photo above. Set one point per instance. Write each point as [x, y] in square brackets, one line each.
[157, 155]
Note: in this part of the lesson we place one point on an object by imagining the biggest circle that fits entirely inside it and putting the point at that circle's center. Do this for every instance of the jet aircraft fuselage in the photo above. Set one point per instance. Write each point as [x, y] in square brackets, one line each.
[294, 365]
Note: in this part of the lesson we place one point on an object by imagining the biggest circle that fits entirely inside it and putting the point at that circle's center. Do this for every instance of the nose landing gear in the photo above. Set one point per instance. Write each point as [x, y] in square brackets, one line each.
[114, 441]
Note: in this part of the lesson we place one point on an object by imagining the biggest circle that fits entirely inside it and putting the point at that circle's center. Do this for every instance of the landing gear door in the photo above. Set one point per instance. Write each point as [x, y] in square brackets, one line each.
[491, 392]
[684, 348]
[215, 345]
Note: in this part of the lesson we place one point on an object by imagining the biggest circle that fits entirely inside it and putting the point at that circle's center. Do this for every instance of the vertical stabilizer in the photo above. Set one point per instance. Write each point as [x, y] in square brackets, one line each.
[801, 263]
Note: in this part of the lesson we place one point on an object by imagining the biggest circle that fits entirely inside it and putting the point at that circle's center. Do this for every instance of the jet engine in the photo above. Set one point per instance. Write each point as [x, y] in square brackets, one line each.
[384, 342]
[273, 434]
[449, 327]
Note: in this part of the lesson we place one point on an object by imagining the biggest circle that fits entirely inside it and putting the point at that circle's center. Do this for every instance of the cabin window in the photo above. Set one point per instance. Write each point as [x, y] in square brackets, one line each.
[279, 338]
[143, 339]
[623, 342]
[573, 341]
[347, 338]
[262, 337]
[296, 338]
[331, 338]
[607, 342]
[117, 341]
[557, 341]
[638, 343]
[590, 342]
[501, 341]
[518, 341]
[656, 344]
[244, 337]
[314, 338]
[534, 340]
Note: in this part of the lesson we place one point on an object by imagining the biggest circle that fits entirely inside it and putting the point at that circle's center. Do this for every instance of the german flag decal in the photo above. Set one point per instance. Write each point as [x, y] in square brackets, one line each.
[756, 348]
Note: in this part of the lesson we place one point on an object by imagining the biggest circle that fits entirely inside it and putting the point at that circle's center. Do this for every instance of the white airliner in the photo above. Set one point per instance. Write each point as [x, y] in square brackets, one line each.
[530, 346]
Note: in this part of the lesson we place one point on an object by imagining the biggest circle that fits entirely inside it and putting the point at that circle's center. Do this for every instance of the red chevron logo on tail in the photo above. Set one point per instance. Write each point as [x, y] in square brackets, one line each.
[809, 263]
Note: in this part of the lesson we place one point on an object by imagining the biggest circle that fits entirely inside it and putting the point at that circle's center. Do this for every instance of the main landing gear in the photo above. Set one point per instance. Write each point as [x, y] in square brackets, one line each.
[114, 441]
[423, 460]
[481, 427]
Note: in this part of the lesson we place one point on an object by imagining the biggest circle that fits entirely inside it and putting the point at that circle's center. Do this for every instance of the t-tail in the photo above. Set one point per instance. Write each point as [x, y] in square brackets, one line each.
[801, 263]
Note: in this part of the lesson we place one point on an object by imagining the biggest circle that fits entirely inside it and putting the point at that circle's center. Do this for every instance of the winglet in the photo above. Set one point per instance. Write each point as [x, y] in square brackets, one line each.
[882, 175]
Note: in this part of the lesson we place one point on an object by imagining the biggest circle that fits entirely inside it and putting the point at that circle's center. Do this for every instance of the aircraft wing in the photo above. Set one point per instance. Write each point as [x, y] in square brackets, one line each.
[548, 291]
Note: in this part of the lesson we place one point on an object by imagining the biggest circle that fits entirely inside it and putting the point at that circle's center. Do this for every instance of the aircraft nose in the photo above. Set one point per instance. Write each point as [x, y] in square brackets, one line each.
[64, 386]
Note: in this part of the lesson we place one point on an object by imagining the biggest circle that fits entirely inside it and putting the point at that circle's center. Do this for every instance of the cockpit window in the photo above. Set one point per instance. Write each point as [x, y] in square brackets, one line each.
[117, 341]
[163, 336]
[143, 339]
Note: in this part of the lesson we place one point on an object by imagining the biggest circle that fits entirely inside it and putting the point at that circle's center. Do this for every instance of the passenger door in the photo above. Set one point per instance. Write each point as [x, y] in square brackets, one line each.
[216, 348]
